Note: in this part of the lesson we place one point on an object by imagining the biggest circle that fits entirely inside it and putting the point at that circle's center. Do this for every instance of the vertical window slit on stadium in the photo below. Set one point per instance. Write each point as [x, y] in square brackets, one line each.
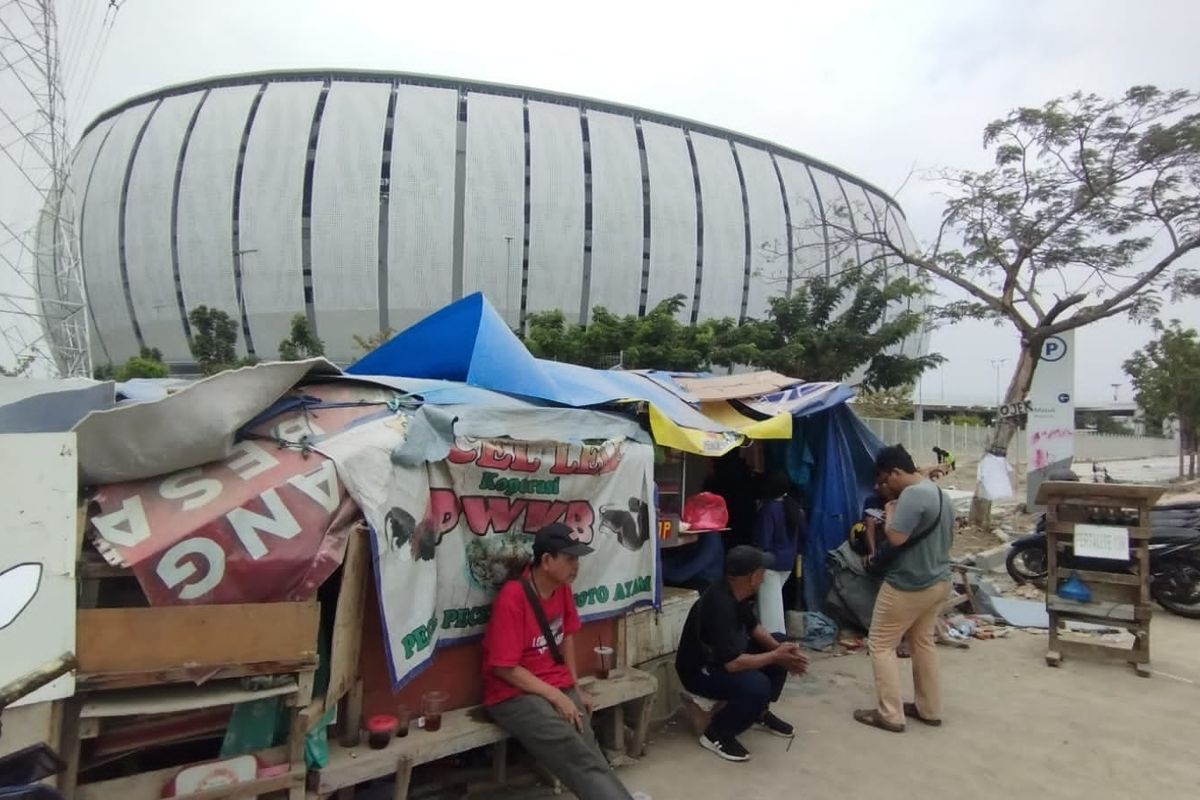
[314, 133]
[687, 137]
[737, 164]
[787, 224]
[238, 253]
[183, 148]
[525, 248]
[82, 255]
[385, 192]
[641, 142]
[121, 262]
[824, 225]
[586, 295]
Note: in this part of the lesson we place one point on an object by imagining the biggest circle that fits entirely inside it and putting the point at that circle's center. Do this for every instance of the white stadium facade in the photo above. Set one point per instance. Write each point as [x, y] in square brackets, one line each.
[365, 200]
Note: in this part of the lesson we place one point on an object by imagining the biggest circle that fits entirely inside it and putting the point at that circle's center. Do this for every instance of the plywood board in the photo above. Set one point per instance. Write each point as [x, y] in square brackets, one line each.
[131, 640]
[346, 643]
[37, 558]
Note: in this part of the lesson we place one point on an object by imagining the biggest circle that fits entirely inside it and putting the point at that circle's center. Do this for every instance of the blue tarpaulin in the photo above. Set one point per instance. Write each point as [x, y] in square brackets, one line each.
[468, 341]
[831, 455]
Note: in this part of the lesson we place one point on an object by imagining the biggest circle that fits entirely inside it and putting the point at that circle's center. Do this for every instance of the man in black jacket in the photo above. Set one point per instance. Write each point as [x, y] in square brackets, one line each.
[726, 654]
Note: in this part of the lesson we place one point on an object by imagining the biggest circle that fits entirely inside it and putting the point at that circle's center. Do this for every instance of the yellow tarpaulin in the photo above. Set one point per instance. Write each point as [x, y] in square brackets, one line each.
[691, 440]
[776, 427]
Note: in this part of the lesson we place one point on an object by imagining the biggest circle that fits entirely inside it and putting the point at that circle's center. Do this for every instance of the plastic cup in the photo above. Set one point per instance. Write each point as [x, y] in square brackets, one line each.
[403, 717]
[432, 705]
[605, 657]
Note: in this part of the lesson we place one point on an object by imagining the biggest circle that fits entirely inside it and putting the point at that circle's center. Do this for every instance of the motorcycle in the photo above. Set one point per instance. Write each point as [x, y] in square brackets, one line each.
[1174, 559]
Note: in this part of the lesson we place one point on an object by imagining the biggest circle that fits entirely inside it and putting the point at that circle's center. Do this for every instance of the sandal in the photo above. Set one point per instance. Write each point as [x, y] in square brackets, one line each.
[870, 716]
[910, 710]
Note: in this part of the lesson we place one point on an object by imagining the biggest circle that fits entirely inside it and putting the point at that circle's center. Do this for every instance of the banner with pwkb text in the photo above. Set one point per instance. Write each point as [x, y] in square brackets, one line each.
[446, 535]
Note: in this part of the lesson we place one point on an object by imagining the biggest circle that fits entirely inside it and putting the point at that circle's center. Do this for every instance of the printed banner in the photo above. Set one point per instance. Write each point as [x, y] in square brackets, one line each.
[448, 534]
[268, 523]
[1050, 425]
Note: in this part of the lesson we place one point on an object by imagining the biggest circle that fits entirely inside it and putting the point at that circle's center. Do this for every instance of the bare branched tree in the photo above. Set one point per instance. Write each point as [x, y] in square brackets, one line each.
[1088, 213]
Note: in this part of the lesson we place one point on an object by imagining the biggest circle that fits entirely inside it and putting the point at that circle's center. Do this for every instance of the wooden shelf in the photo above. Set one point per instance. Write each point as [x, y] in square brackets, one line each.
[171, 699]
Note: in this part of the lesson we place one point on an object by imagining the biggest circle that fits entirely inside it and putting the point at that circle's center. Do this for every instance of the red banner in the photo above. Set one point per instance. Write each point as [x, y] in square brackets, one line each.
[268, 523]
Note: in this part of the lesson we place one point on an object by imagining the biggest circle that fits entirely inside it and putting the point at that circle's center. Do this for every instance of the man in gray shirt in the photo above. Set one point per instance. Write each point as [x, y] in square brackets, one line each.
[920, 526]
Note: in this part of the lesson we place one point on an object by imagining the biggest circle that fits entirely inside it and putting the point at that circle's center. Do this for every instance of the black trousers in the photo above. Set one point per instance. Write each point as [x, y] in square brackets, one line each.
[746, 694]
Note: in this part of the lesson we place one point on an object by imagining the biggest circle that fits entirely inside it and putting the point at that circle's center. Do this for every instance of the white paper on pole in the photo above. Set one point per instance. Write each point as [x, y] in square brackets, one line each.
[1102, 541]
[995, 476]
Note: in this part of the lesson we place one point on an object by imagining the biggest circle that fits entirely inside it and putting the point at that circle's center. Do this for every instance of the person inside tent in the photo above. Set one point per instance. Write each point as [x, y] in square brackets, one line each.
[778, 530]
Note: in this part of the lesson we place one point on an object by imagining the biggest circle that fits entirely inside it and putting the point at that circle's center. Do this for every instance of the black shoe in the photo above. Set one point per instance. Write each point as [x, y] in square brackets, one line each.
[773, 724]
[727, 748]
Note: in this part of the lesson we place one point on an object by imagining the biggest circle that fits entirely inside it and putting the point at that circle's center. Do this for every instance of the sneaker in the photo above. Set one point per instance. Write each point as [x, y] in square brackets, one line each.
[773, 724]
[727, 748]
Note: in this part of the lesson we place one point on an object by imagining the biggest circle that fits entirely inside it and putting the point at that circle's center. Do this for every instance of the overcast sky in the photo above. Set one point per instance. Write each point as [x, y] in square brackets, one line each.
[878, 88]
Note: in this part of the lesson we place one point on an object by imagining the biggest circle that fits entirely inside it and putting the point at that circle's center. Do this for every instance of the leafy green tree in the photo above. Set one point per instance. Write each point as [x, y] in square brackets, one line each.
[657, 340]
[830, 327]
[18, 370]
[214, 340]
[146, 364]
[1088, 212]
[893, 403]
[1165, 375]
[302, 342]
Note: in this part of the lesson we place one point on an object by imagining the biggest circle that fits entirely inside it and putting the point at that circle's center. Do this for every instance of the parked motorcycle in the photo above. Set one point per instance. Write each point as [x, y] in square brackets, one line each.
[1174, 559]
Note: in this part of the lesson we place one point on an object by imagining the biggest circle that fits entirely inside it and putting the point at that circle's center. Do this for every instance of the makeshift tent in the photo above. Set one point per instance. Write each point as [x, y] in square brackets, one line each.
[468, 341]
[830, 453]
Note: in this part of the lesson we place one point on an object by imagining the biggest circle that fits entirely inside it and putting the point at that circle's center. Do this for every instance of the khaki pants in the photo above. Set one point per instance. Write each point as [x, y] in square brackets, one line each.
[914, 613]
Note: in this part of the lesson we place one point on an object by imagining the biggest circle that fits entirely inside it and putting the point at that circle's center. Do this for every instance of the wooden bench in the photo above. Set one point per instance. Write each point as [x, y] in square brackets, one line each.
[466, 729]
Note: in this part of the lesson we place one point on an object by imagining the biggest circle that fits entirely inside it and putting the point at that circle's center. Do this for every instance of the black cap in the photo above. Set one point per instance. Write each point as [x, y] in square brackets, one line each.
[556, 538]
[744, 559]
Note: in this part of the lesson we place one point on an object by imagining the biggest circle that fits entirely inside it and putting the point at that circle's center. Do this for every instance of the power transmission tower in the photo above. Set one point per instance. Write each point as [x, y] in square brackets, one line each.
[43, 312]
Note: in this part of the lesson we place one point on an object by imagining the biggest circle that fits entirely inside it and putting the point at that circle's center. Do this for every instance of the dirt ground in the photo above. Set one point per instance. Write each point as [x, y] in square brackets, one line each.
[1013, 728]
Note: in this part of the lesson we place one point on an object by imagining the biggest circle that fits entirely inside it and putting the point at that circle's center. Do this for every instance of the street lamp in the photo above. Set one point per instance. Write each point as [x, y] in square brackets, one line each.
[997, 363]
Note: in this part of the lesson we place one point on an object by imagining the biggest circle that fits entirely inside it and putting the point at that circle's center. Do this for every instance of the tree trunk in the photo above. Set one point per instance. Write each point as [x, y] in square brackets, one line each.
[1006, 429]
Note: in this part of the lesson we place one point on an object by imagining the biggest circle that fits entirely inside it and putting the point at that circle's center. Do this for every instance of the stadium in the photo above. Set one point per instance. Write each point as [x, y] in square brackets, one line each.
[366, 200]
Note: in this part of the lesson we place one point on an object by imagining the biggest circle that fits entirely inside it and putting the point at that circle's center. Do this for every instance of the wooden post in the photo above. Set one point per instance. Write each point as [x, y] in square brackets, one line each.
[352, 716]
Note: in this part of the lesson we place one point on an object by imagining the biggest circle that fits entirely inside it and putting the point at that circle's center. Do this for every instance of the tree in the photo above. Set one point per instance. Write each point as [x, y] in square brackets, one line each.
[18, 370]
[1165, 374]
[1087, 213]
[369, 343]
[148, 363]
[895, 403]
[806, 336]
[214, 339]
[302, 342]
[657, 340]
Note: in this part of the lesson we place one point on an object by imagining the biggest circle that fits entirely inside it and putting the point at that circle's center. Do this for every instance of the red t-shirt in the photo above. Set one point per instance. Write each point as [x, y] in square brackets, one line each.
[514, 638]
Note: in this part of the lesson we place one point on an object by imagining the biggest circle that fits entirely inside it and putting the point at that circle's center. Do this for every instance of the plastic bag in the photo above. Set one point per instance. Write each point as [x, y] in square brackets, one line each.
[705, 511]
[1076, 590]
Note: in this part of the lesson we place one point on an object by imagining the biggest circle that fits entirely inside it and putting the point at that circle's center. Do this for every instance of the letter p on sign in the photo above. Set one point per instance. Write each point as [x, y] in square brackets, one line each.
[1054, 348]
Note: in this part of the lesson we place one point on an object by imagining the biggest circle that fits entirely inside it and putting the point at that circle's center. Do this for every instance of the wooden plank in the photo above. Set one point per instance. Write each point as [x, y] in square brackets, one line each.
[403, 777]
[171, 699]
[1104, 611]
[1067, 529]
[149, 785]
[130, 680]
[1090, 576]
[346, 643]
[351, 716]
[123, 640]
[1052, 492]
[462, 730]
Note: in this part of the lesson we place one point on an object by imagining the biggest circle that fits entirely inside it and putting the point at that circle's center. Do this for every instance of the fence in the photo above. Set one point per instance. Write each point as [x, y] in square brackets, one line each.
[968, 442]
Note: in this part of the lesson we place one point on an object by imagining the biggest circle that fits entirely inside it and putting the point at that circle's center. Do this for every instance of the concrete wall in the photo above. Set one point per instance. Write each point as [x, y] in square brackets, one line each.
[968, 442]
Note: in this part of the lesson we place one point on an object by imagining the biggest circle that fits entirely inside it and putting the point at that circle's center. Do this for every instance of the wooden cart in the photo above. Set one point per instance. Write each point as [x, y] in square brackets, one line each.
[1116, 518]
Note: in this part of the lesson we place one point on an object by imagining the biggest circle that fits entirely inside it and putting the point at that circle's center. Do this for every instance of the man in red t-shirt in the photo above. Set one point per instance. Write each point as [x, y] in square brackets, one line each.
[529, 684]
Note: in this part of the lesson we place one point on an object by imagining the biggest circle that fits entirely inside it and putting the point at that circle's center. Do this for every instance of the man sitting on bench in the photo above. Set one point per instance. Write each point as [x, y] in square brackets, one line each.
[726, 654]
[529, 674]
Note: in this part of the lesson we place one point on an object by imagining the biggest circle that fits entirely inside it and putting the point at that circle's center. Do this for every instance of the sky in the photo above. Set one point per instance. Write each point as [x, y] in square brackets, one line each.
[887, 91]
